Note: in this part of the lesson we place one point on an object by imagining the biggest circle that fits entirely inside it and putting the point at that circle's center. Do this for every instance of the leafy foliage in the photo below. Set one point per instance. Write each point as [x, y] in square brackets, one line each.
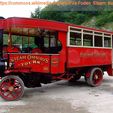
[68, 14]
[104, 18]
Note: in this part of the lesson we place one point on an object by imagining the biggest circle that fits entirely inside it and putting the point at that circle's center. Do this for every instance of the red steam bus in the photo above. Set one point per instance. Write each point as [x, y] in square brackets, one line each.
[35, 51]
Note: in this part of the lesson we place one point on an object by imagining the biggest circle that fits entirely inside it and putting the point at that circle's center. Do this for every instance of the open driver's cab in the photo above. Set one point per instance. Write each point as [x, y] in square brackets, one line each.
[32, 49]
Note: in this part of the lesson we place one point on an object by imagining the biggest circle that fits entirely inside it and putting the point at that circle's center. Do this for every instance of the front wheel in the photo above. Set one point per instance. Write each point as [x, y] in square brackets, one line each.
[95, 78]
[11, 88]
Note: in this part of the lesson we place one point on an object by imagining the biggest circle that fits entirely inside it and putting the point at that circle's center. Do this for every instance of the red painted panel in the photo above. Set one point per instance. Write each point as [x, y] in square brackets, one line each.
[34, 62]
[79, 57]
[63, 56]
[55, 61]
[36, 23]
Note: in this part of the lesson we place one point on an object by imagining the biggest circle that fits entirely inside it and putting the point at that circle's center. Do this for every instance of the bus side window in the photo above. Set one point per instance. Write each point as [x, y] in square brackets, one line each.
[107, 42]
[87, 40]
[52, 41]
[39, 41]
[98, 41]
[75, 38]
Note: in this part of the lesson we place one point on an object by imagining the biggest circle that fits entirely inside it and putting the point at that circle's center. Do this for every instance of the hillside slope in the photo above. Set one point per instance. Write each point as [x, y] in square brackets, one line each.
[101, 19]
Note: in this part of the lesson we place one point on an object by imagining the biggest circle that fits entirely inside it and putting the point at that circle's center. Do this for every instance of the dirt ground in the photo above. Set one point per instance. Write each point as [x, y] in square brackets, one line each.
[63, 97]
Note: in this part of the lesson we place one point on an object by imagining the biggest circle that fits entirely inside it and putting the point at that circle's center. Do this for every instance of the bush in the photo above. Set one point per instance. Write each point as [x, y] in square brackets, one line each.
[103, 19]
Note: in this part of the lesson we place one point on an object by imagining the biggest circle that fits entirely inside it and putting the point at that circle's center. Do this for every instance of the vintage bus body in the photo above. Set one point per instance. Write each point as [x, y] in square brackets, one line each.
[65, 52]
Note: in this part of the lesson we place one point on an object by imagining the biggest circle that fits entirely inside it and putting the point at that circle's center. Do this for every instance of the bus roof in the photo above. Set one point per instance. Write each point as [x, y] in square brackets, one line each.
[44, 24]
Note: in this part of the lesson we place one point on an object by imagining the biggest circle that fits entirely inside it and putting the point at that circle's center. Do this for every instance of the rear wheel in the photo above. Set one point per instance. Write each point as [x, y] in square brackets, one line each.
[11, 88]
[95, 78]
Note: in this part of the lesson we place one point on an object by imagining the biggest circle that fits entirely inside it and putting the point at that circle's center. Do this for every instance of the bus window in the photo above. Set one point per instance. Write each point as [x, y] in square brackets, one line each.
[11, 46]
[87, 40]
[28, 44]
[98, 41]
[17, 41]
[47, 41]
[75, 39]
[5, 39]
[107, 42]
[53, 41]
[50, 41]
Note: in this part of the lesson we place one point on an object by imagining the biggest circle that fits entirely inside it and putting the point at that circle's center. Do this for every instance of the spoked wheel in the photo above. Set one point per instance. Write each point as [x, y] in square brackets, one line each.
[95, 78]
[11, 88]
[75, 78]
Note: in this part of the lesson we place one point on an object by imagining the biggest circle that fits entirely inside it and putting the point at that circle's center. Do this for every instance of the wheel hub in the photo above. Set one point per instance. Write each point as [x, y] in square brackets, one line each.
[11, 88]
[96, 77]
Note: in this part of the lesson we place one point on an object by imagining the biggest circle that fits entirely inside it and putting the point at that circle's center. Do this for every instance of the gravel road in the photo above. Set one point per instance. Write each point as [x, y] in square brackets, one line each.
[63, 97]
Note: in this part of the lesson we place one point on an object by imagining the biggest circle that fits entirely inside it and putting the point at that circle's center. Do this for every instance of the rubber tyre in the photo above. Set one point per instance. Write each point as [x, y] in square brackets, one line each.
[20, 83]
[95, 78]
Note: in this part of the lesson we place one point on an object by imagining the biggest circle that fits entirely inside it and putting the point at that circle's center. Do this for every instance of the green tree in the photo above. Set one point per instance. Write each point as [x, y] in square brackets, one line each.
[36, 13]
[73, 14]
